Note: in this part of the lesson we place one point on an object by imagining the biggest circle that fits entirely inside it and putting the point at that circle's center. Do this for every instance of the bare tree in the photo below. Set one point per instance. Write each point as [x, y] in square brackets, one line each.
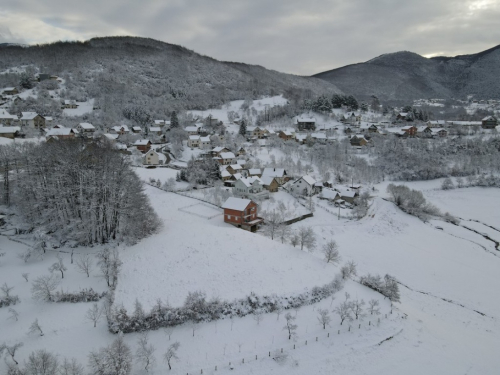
[295, 240]
[84, 263]
[7, 299]
[14, 315]
[145, 352]
[171, 354]
[373, 307]
[290, 326]
[42, 362]
[307, 238]
[344, 311]
[11, 350]
[348, 270]
[58, 266]
[94, 314]
[357, 309]
[331, 251]
[110, 265]
[35, 328]
[194, 326]
[168, 331]
[272, 221]
[278, 311]
[25, 276]
[115, 359]
[283, 232]
[43, 288]
[324, 318]
[258, 316]
[71, 367]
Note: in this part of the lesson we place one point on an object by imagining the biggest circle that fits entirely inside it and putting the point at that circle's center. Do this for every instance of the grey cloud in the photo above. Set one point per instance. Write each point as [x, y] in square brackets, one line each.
[291, 36]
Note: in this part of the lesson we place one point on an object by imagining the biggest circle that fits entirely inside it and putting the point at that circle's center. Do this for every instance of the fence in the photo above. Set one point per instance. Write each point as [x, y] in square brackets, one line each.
[185, 209]
[312, 339]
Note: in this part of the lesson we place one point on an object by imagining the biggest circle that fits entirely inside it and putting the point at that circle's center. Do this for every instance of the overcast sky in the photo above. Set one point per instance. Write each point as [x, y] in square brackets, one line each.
[293, 36]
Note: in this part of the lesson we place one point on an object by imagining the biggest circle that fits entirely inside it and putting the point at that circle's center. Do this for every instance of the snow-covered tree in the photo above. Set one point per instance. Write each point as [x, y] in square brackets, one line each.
[373, 307]
[307, 238]
[43, 288]
[324, 318]
[11, 350]
[348, 270]
[58, 266]
[290, 327]
[145, 352]
[344, 311]
[171, 354]
[36, 328]
[115, 359]
[84, 263]
[331, 252]
[94, 314]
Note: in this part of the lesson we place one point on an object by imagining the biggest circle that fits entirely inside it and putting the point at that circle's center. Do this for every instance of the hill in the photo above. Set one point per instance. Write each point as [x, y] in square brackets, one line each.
[408, 76]
[131, 70]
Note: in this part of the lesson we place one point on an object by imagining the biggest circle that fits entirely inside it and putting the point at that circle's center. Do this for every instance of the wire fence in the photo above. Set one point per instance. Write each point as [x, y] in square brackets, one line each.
[276, 352]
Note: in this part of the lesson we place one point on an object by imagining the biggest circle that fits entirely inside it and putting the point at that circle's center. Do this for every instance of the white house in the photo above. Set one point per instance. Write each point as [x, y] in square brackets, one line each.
[85, 128]
[193, 141]
[303, 186]
[250, 187]
[153, 158]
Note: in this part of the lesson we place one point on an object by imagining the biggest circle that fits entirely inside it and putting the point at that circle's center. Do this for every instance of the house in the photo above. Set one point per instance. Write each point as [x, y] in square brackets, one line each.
[32, 119]
[279, 173]
[285, 135]
[241, 151]
[256, 132]
[235, 168]
[372, 128]
[410, 131]
[358, 140]
[60, 133]
[250, 187]
[225, 175]
[193, 141]
[155, 130]
[191, 130]
[10, 91]
[424, 131]
[112, 138]
[205, 143]
[306, 123]
[489, 122]
[153, 157]
[306, 185]
[329, 194]
[347, 195]
[86, 129]
[6, 118]
[227, 158]
[143, 145]
[9, 131]
[241, 213]
[436, 123]
[439, 133]
[159, 123]
[402, 116]
[216, 151]
[255, 172]
[70, 104]
[350, 118]
[120, 129]
[270, 184]
[136, 129]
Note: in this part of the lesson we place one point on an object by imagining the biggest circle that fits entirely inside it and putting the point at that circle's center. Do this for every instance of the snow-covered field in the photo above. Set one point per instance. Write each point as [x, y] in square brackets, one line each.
[448, 281]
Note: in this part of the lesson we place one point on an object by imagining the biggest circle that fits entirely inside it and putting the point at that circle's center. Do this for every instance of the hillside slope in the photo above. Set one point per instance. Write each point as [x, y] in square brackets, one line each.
[139, 70]
[407, 76]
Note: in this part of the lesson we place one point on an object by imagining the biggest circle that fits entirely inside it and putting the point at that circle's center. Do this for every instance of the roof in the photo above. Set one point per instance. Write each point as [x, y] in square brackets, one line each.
[249, 181]
[59, 131]
[329, 193]
[155, 129]
[306, 119]
[236, 167]
[287, 133]
[227, 155]
[311, 181]
[225, 174]
[28, 115]
[9, 129]
[255, 171]
[237, 204]
[205, 139]
[8, 88]
[191, 129]
[86, 125]
[267, 180]
[111, 136]
[489, 118]
[135, 128]
[275, 172]
[141, 142]
[159, 122]
[120, 127]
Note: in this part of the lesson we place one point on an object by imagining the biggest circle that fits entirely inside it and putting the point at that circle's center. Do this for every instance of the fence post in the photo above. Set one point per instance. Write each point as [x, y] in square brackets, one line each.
[269, 354]
[243, 360]
[281, 350]
[255, 356]
[349, 328]
[379, 320]
[306, 342]
[328, 334]
[359, 325]
[339, 332]
[201, 371]
[370, 323]
[215, 368]
[294, 346]
[316, 338]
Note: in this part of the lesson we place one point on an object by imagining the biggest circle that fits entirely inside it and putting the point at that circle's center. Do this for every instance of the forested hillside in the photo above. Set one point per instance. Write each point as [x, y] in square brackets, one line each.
[158, 77]
[408, 76]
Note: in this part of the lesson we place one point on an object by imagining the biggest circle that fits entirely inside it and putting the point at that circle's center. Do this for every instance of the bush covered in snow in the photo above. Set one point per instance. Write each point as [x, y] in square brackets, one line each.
[84, 295]
[411, 201]
[388, 286]
[197, 309]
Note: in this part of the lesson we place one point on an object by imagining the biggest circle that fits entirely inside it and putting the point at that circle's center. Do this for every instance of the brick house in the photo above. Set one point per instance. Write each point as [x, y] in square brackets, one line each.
[241, 213]
[143, 145]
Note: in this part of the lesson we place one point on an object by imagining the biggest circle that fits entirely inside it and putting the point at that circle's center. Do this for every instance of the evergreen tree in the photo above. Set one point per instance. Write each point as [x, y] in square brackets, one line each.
[174, 121]
[337, 101]
[243, 128]
[352, 103]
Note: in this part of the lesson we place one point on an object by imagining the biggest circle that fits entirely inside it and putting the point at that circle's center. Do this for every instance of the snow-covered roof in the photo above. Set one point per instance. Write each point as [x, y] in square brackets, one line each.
[6, 115]
[120, 127]
[28, 115]
[225, 174]
[218, 149]
[249, 181]
[9, 129]
[306, 119]
[237, 204]
[437, 122]
[136, 128]
[86, 126]
[266, 180]
[155, 129]
[159, 122]
[8, 89]
[48, 118]
[344, 192]
[59, 131]
[437, 130]
[194, 137]
[489, 118]
[111, 137]
[254, 171]
[275, 172]
[227, 155]
[70, 102]
[311, 181]
[287, 133]
[191, 129]
[205, 139]
[329, 193]
[141, 142]
[236, 167]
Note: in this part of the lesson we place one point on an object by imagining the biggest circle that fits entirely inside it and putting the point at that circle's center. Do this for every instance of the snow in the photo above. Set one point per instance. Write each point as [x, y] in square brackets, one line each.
[83, 107]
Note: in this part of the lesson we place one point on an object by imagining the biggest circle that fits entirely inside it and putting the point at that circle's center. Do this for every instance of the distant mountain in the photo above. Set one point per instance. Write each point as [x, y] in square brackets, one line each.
[407, 76]
[141, 70]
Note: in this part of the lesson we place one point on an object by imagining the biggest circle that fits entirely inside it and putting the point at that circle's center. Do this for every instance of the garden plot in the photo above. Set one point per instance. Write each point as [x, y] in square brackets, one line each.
[202, 210]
